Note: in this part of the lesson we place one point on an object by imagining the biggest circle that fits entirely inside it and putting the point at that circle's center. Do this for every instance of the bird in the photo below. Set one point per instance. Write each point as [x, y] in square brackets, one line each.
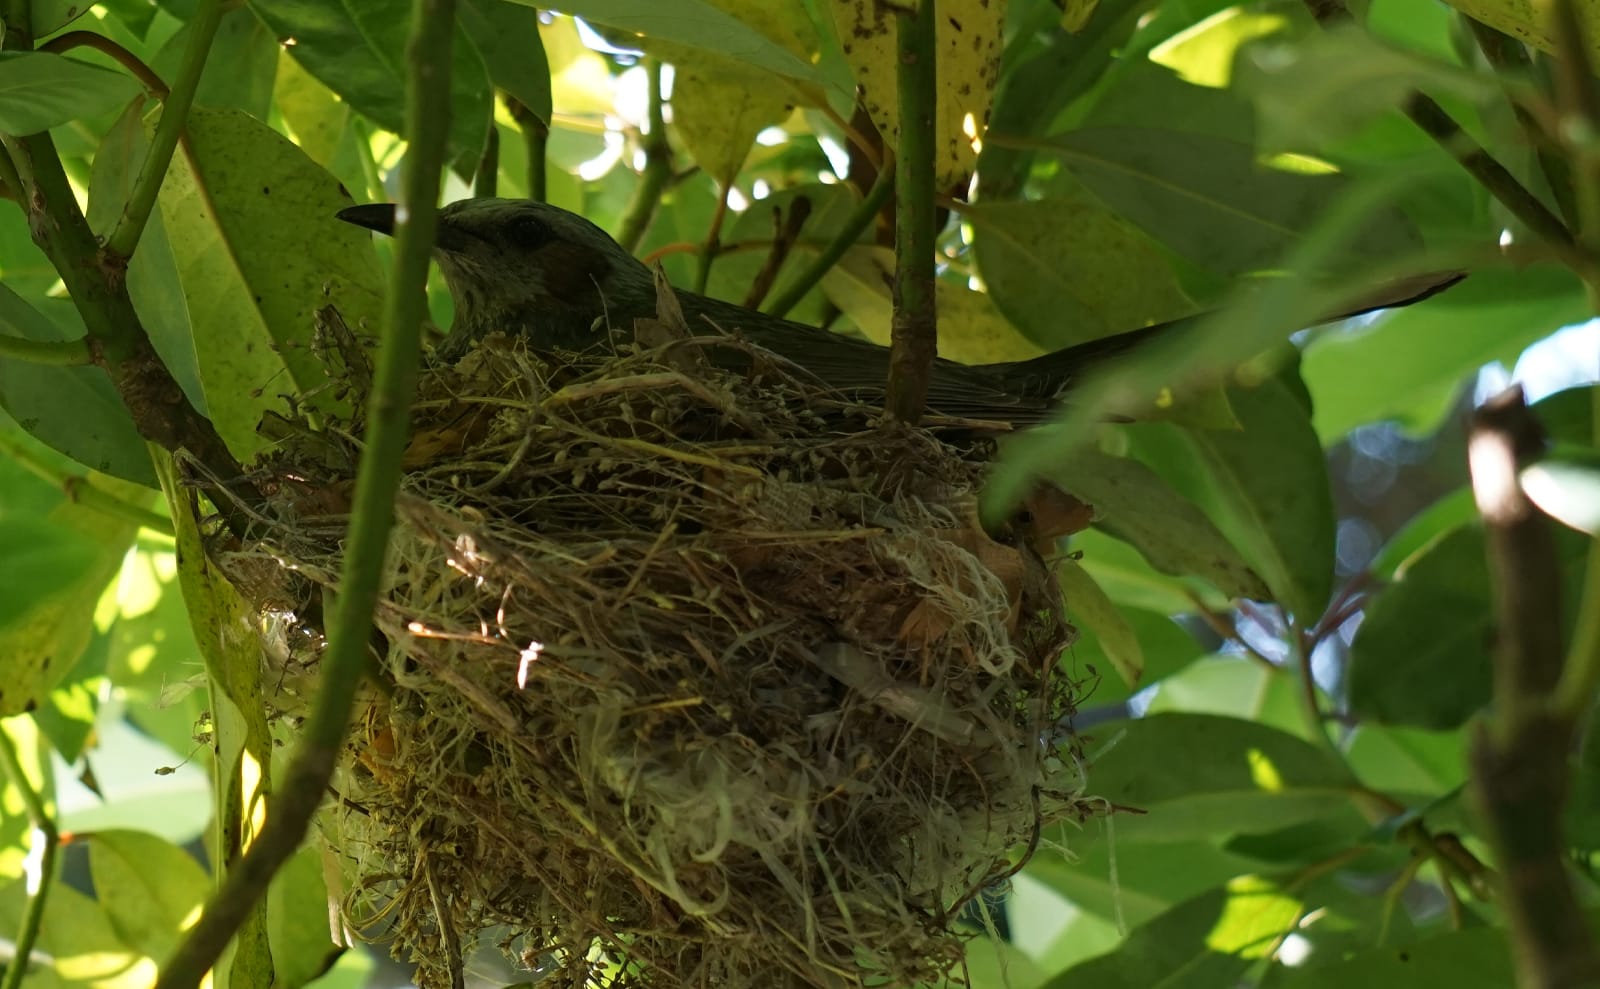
[528, 268]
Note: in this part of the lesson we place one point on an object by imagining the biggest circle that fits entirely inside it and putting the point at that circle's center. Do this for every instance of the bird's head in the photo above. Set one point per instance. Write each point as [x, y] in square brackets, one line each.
[526, 267]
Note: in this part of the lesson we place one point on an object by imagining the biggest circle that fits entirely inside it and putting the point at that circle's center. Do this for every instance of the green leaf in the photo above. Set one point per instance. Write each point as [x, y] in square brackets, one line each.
[1131, 581]
[1088, 605]
[1408, 761]
[1209, 199]
[47, 614]
[358, 51]
[1135, 504]
[1065, 271]
[507, 36]
[1470, 958]
[1134, 886]
[16, 830]
[77, 937]
[1230, 685]
[1234, 777]
[46, 17]
[1265, 487]
[1167, 649]
[297, 917]
[1326, 86]
[315, 117]
[41, 90]
[251, 223]
[1566, 487]
[1208, 941]
[240, 68]
[74, 410]
[149, 887]
[694, 23]
[1449, 513]
[1421, 657]
[1409, 364]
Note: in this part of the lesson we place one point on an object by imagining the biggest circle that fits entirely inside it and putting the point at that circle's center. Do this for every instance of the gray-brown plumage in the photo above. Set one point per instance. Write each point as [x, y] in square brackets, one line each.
[526, 267]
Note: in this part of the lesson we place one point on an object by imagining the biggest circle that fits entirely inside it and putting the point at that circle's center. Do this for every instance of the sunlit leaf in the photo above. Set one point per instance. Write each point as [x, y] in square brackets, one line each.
[1089, 606]
[149, 888]
[240, 67]
[1566, 486]
[968, 35]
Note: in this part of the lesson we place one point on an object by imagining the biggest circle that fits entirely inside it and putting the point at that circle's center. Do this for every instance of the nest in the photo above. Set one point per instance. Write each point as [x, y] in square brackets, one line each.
[689, 677]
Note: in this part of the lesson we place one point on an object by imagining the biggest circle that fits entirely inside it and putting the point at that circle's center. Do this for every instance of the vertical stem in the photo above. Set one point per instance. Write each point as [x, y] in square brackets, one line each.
[486, 181]
[45, 830]
[657, 168]
[372, 516]
[914, 335]
[536, 137]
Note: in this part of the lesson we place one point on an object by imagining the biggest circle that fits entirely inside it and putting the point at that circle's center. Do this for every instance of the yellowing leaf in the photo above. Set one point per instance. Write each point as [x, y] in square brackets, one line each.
[971, 329]
[968, 41]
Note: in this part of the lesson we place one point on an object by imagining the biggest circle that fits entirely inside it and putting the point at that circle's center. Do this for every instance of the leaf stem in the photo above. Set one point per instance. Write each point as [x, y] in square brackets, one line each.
[860, 218]
[135, 65]
[45, 831]
[657, 168]
[914, 330]
[82, 491]
[536, 137]
[52, 353]
[174, 115]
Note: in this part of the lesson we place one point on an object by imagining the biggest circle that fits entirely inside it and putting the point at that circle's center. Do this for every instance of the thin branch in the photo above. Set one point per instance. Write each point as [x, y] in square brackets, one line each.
[1509, 58]
[788, 225]
[486, 180]
[322, 738]
[860, 218]
[657, 168]
[80, 490]
[45, 829]
[1579, 102]
[1519, 759]
[713, 242]
[914, 330]
[52, 353]
[1439, 125]
[174, 115]
[135, 65]
[536, 138]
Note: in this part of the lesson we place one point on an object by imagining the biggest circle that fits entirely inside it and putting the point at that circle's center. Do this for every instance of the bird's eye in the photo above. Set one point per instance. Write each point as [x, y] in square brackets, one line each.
[527, 232]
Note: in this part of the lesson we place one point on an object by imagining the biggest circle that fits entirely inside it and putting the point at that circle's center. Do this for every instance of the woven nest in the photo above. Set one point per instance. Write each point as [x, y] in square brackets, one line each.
[689, 677]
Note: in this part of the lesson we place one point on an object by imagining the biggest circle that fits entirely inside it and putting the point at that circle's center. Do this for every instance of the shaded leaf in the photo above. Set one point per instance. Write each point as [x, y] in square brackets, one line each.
[1235, 777]
[1066, 270]
[40, 90]
[1089, 606]
[1166, 646]
[49, 16]
[240, 68]
[297, 912]
[358, 51]
[77, 936]
[1134, 503]
[1474, 957]
[507, 36]
[1209, 199]
[1133, 582]
[74, 410]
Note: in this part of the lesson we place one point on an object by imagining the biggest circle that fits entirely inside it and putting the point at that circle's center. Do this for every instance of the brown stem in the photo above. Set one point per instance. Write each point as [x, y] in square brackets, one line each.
[1519, 759]
[788, 231]
[913, 336]
[135, 65]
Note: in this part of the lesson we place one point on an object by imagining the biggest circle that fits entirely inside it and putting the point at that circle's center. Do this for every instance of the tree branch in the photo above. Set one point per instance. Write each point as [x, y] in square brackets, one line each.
[860, 218]
[1519, 759]
[914, 331]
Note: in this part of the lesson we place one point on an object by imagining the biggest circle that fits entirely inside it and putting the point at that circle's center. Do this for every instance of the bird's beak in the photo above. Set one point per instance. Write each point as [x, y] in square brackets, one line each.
[380, 217]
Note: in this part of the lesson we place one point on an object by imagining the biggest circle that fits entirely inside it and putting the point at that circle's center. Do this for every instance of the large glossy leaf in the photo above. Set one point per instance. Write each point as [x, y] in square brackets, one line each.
[80, 941]
[148, 886]
[1265, 487]
[1209, 198]
[1421, 657]
[357, 48]
[45, 562]
[39, 90]
[1067, 270]
[1235, 777]
[252, 229]
[1408, 364]
[1134, 503]
[74, 410]
[507, 36]
[240, 68]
